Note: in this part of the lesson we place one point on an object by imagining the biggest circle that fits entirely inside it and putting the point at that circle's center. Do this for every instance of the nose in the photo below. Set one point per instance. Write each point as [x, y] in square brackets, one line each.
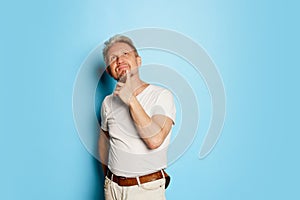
[120, 59]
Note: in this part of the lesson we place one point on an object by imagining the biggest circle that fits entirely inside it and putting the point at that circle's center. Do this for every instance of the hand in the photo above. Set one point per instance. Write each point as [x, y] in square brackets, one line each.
[124, 88]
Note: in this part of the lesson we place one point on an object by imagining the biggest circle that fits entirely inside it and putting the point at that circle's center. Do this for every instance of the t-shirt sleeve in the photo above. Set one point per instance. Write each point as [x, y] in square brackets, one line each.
[104, 116]
[165, 105]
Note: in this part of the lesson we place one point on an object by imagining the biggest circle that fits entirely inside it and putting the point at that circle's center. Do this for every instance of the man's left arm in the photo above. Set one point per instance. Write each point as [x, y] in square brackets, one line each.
[153, 130]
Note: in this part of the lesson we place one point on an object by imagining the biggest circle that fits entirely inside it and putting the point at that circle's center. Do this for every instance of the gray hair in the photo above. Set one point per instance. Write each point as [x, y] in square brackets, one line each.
[115, 39]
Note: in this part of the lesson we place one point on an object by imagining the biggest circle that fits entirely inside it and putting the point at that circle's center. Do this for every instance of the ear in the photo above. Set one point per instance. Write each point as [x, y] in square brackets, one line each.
[139, 60]
[108, 70]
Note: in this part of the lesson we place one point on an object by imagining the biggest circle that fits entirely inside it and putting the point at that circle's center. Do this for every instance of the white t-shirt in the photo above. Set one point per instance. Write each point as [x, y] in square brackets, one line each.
[128, 154]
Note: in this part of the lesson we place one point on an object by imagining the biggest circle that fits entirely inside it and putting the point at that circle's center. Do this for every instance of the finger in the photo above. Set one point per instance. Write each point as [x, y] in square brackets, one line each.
[118, 87]
[120, 84]
[116, 93]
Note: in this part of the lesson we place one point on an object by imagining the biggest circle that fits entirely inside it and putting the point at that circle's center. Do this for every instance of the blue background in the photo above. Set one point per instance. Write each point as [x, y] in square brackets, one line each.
[254, 44]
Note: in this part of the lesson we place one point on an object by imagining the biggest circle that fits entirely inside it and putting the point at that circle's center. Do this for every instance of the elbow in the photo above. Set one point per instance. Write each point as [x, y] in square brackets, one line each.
[154, 143]
[153, 146]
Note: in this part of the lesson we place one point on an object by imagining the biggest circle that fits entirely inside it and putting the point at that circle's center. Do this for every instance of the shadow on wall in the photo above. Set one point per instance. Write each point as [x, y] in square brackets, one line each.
[98, 192]
[105, 87]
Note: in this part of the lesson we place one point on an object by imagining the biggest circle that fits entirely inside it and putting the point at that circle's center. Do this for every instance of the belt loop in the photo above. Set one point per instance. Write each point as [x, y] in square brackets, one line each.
[162, 172]
[138, 180]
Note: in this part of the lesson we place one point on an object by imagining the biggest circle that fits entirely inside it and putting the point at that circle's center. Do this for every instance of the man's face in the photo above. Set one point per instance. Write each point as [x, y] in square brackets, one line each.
[121, 58]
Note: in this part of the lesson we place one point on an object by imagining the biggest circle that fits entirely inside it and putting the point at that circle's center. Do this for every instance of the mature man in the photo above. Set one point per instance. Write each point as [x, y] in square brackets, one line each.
[136, 122]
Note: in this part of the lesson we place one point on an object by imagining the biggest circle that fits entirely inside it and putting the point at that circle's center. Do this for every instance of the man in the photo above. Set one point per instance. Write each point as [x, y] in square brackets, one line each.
[136, 122]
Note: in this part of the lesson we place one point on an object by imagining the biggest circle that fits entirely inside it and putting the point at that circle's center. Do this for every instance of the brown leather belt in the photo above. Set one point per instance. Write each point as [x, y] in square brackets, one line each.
[126, 181]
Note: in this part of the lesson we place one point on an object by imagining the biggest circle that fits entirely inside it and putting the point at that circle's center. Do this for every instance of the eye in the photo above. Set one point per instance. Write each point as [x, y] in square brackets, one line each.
[125, 53]
[113, 58]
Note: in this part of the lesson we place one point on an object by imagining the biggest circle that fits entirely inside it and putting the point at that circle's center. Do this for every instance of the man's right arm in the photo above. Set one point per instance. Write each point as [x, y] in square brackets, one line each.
[103, 148]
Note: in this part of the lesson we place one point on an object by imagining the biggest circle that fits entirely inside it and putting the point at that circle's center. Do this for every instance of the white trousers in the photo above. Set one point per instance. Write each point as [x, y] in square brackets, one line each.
[154, 190]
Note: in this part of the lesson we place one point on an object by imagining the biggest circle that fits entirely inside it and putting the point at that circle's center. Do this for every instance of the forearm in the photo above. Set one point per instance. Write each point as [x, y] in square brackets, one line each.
[104, 169]
[103, 147]
[138, 114]
[152, 130]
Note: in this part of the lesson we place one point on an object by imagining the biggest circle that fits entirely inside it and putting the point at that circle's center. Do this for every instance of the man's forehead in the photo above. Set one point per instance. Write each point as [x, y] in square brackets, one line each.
[119, 47]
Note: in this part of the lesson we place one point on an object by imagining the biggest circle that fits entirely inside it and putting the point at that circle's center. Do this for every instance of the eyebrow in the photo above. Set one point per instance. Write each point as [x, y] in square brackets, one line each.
[122, 50]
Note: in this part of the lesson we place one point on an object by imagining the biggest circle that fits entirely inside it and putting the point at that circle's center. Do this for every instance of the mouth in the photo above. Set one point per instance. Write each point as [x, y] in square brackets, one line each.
[121, 70]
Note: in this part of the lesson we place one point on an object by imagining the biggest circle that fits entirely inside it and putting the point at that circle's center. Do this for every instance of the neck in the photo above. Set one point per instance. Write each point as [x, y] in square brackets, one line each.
[140, 89]
[139, 85]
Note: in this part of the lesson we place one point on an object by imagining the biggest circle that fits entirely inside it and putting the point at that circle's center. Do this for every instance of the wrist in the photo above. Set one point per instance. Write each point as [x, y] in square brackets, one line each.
[132, 101]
